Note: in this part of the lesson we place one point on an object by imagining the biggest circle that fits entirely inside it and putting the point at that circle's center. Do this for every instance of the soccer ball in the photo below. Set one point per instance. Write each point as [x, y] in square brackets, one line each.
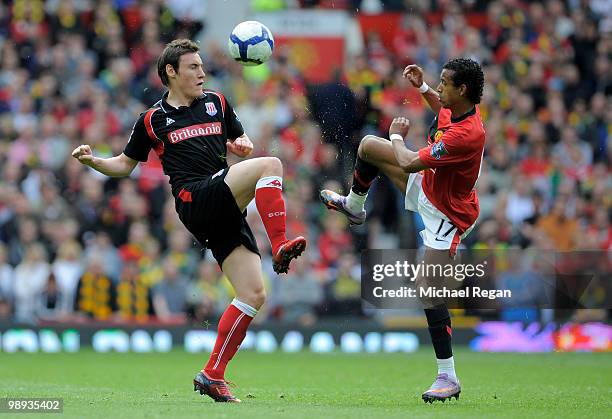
[251, 43]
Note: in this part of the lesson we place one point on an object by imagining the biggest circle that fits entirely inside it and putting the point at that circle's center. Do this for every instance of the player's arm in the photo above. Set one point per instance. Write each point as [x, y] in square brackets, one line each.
[414, 74]
[137, 149]
[118, 166]
[407, 159]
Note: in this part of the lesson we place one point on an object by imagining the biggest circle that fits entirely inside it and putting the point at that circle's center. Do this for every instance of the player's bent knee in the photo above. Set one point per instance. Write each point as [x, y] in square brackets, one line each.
[255, 297]
[366, 146]
[273, 166]
[260, 298]
[362, 146]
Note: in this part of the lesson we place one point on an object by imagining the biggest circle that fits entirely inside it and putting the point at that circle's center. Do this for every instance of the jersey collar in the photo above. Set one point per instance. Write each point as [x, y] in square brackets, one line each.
[465, 115]
[167, 108]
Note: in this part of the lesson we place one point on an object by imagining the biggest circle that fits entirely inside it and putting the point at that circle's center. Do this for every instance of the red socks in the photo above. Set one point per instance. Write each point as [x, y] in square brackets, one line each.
[231, 332]
[271, 207]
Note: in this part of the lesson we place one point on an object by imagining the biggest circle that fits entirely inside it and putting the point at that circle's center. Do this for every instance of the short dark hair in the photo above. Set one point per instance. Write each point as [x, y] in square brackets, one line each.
[467, 71]
[171, 55]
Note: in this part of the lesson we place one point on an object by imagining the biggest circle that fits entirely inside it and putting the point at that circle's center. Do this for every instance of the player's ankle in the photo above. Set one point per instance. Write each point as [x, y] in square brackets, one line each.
[355, 202]
[278, 244]
[213, 375]
[447, 366]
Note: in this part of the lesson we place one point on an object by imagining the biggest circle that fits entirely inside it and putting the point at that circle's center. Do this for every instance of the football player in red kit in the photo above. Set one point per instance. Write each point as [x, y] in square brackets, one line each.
[438, 182]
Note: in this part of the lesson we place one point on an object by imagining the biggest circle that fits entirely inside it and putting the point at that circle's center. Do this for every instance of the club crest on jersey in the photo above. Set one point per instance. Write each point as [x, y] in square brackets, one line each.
[438, 150]
[439, 133]
[211, 109]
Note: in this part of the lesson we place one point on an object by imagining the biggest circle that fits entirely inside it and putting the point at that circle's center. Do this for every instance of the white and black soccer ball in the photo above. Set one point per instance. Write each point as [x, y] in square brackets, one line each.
[251, 43]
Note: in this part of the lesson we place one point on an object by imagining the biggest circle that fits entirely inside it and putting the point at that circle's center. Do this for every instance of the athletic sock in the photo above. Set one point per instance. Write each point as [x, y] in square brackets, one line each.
[271, 206]
[363, 176]
[439, 322]
[355, 202]
[231, 332]
[447, 366]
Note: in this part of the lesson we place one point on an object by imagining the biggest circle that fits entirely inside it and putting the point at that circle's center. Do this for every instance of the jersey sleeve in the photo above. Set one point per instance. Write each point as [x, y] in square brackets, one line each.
[232, 122]
[139, 144]
[453, 148]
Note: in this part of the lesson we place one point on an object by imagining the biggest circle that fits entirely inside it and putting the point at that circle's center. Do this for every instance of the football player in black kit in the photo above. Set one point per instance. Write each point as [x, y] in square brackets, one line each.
[191, 130]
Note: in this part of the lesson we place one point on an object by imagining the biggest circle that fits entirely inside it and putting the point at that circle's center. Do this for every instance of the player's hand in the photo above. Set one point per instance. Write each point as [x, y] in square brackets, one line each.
[242, 146]
[400, 125]
[414, 74]
[83, 154]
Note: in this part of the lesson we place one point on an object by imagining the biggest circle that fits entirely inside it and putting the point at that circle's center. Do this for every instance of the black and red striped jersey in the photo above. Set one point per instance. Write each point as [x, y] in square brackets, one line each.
[189, 140]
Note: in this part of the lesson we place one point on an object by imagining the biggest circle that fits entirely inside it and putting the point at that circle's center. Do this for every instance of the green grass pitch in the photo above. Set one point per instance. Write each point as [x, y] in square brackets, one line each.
[306, 385]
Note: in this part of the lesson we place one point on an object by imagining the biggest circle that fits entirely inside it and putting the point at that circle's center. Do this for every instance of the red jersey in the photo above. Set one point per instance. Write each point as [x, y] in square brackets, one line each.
[454, 157]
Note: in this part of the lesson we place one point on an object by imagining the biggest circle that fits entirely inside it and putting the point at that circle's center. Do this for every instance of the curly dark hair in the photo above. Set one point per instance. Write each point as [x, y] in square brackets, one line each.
[467, 71]
[171, 55]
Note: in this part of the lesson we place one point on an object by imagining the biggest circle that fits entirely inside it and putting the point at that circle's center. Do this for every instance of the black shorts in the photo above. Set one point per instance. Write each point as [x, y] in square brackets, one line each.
[209, 211]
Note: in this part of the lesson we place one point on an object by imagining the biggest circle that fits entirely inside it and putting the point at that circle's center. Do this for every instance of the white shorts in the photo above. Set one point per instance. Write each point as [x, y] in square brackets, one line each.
[439, 232]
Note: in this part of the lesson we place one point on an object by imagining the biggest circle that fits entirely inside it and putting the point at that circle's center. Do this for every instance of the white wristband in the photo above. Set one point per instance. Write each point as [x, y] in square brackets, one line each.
[396, 137]
[424, 88]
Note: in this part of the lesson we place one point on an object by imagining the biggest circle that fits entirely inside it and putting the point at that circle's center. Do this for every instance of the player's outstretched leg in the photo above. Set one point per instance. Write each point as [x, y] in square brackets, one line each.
[353, 204]
[262, 178]
[375, 154]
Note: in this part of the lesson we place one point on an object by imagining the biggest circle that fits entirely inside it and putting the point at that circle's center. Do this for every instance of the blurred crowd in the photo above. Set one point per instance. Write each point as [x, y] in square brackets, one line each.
[77, 246]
